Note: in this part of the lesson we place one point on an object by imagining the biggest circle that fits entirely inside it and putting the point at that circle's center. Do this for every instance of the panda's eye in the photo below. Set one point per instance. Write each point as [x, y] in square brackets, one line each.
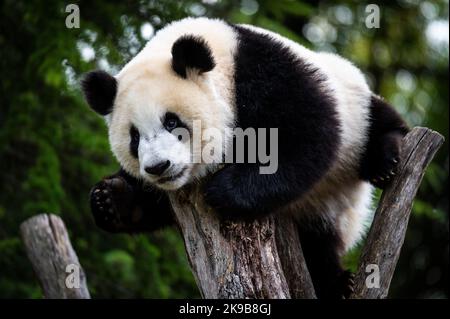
[134, 134]
[171, 121]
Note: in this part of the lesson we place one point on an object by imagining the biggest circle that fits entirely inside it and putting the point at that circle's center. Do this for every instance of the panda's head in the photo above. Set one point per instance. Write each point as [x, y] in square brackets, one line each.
[151, 105]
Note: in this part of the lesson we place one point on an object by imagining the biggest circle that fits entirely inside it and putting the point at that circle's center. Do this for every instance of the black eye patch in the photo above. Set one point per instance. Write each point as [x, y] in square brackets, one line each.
[134, 141]
[171, 121]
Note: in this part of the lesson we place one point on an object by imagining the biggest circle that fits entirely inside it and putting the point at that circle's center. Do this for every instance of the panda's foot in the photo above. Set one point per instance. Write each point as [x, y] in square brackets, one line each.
[386, 169]
[112, 204]
[346, 284]
[380, 164]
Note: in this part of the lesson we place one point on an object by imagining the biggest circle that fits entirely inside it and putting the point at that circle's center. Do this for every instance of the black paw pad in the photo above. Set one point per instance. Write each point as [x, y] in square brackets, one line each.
[107, 199]
[386, 171]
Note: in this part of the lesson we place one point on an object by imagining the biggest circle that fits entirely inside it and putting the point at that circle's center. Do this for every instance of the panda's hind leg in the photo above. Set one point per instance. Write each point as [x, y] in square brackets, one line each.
[321, 245]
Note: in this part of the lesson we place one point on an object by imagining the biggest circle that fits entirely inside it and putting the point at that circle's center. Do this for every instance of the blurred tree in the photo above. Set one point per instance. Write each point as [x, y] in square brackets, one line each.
[53, 148]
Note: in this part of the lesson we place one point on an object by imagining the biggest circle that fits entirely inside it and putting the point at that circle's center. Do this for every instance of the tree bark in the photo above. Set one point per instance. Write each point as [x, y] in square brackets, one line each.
[387, 233]
[55, 262]
[292, 259]
[264, 259]
[258, 259]
[238, 259]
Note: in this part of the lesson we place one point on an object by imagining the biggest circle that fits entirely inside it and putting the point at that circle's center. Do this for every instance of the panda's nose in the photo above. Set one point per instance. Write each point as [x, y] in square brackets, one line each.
[158, 169]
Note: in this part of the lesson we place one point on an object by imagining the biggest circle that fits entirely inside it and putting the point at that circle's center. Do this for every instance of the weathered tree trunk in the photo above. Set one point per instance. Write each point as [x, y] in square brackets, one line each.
[292, 260]
[388, 229]
[259, 259]
[264, 259]
[238, 260]
[49, 249]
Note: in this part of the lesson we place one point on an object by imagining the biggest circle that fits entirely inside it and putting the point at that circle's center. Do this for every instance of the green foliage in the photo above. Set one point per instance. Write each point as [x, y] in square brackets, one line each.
[53, 149]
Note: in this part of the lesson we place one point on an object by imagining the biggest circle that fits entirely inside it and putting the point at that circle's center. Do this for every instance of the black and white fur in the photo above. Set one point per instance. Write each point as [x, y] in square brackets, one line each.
[335, 136]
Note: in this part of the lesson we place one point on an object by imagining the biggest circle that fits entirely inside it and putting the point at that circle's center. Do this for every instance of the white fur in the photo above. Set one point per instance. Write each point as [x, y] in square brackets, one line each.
[148, 88]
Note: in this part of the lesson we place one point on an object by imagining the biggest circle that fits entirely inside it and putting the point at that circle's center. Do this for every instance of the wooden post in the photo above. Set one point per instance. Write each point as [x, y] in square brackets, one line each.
[237, 260]
[259, 259]
[388, 229]
[55, 262]
[292, 260]
[263, 259]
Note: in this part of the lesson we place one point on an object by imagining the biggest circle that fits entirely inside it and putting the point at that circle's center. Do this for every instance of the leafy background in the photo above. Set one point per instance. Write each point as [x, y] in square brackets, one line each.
[52, 148]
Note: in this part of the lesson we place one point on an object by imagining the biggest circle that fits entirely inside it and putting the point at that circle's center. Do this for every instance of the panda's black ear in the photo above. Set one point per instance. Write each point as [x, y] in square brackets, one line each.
[99, 90]
[191, 52]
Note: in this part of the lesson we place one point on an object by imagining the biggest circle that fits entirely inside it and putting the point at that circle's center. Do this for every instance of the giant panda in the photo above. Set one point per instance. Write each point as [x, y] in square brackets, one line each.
[336, 138]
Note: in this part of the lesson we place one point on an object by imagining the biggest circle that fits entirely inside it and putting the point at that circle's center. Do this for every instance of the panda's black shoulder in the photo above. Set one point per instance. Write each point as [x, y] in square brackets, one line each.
[275, 87]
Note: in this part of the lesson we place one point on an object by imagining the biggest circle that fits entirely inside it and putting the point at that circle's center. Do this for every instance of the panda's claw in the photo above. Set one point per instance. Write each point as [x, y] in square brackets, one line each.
[351, 281]
[347, 282]
[385, 173]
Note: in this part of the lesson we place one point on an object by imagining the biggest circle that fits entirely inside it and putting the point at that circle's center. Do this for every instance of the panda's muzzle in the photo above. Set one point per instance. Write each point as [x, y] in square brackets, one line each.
[171, 178]
[158, 168]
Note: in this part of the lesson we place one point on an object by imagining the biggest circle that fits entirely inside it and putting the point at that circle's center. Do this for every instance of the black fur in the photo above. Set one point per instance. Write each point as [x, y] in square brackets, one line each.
[321, 244]
[387, 128]
[121, 203]
[173, 116]
[100, 90]
[134, 141]
[274, 88]
[191, 52]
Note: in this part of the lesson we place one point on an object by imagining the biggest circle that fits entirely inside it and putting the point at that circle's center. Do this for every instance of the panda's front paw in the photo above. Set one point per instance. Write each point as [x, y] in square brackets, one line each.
[111, 200]
[222, 201]
[225, 197]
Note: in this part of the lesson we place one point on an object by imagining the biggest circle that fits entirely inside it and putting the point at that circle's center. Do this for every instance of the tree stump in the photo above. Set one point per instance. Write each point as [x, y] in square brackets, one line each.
[237, 259]
[259, 259]
[263, 258]
[54, 261]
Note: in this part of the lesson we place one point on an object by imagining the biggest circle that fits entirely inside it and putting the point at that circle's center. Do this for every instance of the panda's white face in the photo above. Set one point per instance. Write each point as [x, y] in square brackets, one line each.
[154, 152]
[183, 77]
[153, 105]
